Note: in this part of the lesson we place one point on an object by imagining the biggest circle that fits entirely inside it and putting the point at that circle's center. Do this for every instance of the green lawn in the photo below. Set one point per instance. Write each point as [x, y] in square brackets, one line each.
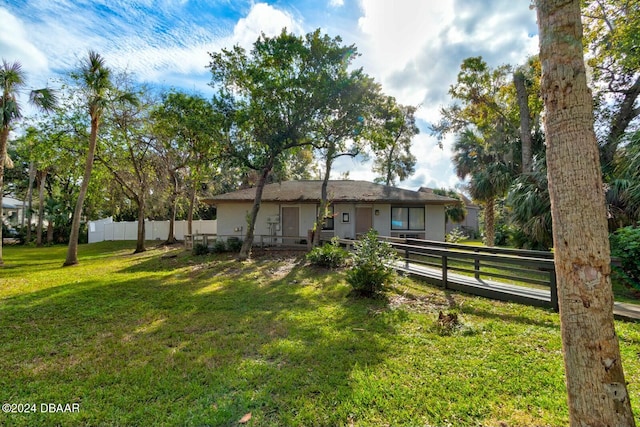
[165, 338]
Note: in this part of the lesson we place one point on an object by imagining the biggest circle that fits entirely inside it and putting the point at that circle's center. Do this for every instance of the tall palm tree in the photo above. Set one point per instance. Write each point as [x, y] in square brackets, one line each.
[12, 81]
[490, 176]
[596, 387]
[95, 78]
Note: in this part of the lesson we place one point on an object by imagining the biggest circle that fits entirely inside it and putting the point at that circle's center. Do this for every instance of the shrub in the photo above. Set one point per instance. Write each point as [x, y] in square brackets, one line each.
[234, 244]
[329, 255]
[625, 244]
[456, 235]
[218, 246]
[372, 265]
[200, 249]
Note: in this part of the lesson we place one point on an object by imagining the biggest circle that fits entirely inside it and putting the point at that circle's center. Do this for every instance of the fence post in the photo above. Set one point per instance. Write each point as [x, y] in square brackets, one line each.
[406, 257]
[554, 289]
[444, 271]
[476, 265]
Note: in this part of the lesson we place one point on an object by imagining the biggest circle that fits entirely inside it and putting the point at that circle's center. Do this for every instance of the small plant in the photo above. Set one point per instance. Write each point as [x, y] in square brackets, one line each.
[200, 249]
[447, 323]
[625, 245]
[372, 265]
[219, 246]
[234, 244]
[456, 235]
[329, 255]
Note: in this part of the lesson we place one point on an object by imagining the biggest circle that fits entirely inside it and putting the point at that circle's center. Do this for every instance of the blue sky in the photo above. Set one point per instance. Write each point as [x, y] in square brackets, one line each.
[412, 47]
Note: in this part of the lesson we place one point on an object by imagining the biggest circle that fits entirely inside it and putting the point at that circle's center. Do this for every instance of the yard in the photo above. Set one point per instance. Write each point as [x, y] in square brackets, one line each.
[167, 338]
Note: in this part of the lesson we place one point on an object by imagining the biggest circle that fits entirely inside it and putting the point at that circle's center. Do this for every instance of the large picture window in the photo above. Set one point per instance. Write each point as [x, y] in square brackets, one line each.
[407, 218]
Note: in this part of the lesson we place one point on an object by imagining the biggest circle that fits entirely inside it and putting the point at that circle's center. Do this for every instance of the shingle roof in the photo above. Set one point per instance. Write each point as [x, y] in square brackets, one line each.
[337, 191]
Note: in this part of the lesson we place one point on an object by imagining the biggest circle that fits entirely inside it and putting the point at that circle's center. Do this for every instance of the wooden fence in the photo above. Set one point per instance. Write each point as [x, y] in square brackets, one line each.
[527, 269]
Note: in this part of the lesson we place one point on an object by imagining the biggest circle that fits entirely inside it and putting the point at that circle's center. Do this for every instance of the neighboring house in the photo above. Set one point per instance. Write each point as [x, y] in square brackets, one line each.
[471, 221]
[288, 209]
[11, 211]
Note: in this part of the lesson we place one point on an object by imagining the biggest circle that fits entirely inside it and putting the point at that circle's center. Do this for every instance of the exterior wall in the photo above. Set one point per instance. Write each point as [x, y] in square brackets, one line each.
[471, 221]
[232, 216]
[232, 219]
[435, 222]
[382, 221]
[344, 230]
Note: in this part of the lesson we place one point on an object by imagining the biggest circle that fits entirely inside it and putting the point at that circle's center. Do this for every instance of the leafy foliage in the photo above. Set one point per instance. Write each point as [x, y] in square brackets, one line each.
[329, 255]
[625, 244]
[372, 265]
[200, 249]
[234, 244]
[456, 235]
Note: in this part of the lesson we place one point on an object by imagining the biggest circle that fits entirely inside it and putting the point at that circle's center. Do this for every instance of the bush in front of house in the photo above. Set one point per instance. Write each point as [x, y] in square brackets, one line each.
[218, 247]
[234, 244]
[200, 249]
[329, 255]
[625, 245]
[372, 265]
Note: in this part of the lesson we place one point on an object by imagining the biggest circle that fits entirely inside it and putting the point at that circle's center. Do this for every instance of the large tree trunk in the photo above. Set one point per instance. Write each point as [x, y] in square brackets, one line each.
[596, 387]
[619, 124]
[320, 219]
[42, 179]
[171, 237]
[192, 205]
[140, 247]
[49, 232]
[490, 222]
[525, 121]
[245, 251]
[4, 137]
[72, 250]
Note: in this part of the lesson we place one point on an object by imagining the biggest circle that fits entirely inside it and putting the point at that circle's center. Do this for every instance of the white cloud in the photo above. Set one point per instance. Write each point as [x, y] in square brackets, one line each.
[336, 3]
[263, 18]
[16, 46]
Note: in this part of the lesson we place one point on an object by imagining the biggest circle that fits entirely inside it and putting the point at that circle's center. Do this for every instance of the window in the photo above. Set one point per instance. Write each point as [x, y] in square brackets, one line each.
[407, 218]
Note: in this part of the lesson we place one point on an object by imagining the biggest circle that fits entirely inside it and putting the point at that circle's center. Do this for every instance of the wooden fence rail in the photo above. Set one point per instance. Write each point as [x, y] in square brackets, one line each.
[525, 268]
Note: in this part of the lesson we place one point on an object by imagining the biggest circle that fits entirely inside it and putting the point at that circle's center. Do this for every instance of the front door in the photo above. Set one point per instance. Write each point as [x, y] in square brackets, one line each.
[291, 222]
[364, 220]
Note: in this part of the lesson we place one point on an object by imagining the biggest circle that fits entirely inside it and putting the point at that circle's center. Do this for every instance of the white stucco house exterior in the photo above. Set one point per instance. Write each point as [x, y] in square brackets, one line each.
[288, 210]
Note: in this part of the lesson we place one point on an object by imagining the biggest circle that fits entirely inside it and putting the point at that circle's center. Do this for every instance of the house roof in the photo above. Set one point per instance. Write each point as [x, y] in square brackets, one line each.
[337, 191]
[467, 201]
[10, 203]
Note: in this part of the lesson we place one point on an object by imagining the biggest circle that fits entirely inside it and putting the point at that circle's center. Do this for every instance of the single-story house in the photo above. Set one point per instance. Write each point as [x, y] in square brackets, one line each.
[11, 211]
[288, 210]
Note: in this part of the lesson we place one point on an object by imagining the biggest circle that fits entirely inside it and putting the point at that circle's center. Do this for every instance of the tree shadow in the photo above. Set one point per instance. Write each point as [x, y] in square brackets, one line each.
[203, 344]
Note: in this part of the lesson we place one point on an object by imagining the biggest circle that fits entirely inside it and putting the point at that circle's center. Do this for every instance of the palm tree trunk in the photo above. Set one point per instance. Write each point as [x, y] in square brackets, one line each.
[50, 232]
[42, 179]
[72, 250]
[4, 137]
[596, 386]
[32, 177]
[490, 222]
[525, 121]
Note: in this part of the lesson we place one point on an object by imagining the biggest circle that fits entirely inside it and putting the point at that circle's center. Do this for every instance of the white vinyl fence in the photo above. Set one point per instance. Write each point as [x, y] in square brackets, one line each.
[106, 229]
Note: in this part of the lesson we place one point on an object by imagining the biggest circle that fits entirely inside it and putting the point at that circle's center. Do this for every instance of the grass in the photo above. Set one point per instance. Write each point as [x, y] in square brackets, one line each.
[166, 338]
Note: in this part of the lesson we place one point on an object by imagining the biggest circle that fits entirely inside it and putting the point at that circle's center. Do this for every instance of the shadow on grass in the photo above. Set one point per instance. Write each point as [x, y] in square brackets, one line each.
[199, 346]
